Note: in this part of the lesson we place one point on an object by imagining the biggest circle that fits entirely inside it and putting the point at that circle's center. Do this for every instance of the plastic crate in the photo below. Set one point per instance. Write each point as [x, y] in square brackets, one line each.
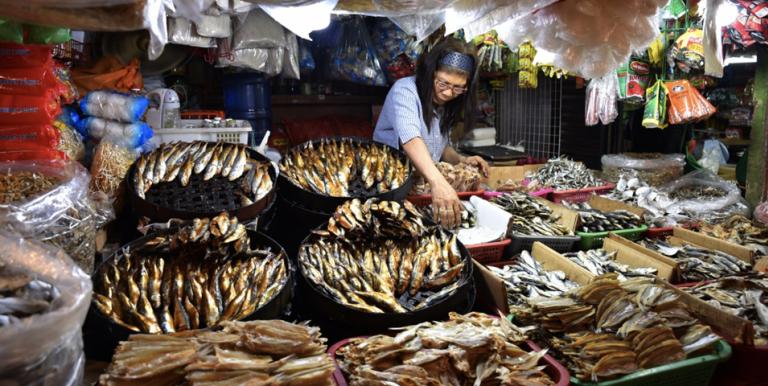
[659, 232]
[694, 371]
[193, 130]
[426, 199]
[558, 243]
[554, 369]
[543, 193]
[579, 195]
[592, 240]
[202, 114]
[488, 252]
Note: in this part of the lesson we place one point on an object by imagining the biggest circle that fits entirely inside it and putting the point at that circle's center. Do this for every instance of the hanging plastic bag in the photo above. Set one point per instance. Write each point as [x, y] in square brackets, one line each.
[181, 31]
[355, 59]
[701, 206]
[109, 73]
[391, 42]
[219, 26]
[713, 154]
[257, 30]
[114, 106]
[633, 80]
[655, 113]
[291, 57]
[58, 211]
[688, 51]
[601, 100]
[528, 75]
[686, 104]
[45, 348]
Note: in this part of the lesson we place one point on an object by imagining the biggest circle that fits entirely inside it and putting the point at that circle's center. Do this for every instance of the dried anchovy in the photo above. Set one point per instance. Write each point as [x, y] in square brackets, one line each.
[593, 220]
[600, 261]
[22, 296]
[110, 164]
[529, 216]
[563, 173]
[743, 296]
[698, 264]
[697, 192]
[17, 186]
[739, 230]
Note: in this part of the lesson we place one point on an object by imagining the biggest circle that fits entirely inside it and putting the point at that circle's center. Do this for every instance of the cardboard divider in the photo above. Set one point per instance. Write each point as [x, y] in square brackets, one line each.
[648, 252]
[553, 261]
[625, 254]
[568, 218]
[498, 175]
[702, 240]
[607, 205]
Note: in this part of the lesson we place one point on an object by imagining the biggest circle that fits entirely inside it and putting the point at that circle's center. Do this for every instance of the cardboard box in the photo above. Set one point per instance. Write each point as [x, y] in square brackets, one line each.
[626, 254]
[498, 175]
[607, 205]
[492, 289]
[681, 234]
[568, 218]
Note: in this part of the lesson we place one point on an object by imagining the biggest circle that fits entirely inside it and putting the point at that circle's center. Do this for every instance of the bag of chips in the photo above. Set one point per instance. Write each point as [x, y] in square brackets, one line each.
[633, 80]
[528, 76]
[686, 104]
[655, 113]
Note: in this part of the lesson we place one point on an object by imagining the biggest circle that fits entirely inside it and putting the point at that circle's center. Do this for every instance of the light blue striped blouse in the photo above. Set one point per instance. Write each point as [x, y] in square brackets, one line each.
[401, 120]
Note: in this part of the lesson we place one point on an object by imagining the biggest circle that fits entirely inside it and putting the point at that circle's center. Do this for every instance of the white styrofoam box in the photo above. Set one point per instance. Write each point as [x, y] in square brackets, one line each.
[193, 130]
[482, 133]
[478, 142]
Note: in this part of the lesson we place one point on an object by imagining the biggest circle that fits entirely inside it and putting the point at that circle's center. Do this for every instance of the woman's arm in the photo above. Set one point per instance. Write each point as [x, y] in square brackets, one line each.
[445, 203]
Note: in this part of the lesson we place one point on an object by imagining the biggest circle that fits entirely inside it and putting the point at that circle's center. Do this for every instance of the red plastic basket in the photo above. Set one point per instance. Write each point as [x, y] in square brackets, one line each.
[554, 369]
[543, 193]
[579, 195]
[426, 199]
[658, 232]
[202, 114]
[488, 252]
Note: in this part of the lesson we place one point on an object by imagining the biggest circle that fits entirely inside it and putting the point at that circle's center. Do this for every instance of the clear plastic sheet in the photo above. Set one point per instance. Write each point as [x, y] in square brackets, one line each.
[480, 17]
[63, 216]
[589, 37]
[303, 18]
[601, 100]
[266, 60]
[392, 8]
[181, 31]
[214, 26]
[654, 168]
[355, 59]
[45, 349]
[291, 57]
[703, 206]
[420, 26]
[257, 30]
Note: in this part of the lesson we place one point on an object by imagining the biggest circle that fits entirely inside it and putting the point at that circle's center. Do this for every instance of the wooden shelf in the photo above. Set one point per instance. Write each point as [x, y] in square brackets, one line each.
[326, 100]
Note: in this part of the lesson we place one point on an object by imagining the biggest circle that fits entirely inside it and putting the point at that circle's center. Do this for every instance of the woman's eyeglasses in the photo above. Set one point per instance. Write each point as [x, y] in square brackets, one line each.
[443, 85]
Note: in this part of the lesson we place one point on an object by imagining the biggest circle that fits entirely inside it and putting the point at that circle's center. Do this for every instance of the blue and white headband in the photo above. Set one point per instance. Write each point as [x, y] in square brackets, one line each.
[458, 61]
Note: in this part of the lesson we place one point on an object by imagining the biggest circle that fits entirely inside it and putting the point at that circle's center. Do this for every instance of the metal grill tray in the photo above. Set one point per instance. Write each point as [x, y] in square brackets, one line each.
[200, 198]
[328, 204]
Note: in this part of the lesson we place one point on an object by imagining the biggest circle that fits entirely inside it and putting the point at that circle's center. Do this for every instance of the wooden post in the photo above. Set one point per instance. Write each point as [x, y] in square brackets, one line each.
[756, 161]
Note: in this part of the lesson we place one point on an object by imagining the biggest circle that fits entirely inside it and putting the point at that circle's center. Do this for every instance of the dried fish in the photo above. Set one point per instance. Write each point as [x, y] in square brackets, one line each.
[600, 261]
[531, 217]
[593, 220]
[17, 186]
[698, 264]
[379, 257]
[699, 192]
[468, 214]
[739, 230]
[462, 178]
[344, 168]
[263, 352]
[200, 275]
[23, 296]
[467, 349]
[743, 296]
[178, 162]
[563, 173]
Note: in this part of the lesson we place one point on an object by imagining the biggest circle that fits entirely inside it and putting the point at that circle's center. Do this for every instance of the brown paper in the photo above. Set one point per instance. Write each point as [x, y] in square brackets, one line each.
[498, 175]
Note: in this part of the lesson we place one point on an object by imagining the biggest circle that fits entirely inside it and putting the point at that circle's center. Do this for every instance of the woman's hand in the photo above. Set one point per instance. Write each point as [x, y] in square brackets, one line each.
[446, 207]
[478, 162]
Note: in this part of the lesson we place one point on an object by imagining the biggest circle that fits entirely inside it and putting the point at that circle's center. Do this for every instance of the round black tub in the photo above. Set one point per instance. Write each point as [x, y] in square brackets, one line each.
[198, 200]
[101, 335]
[327, 204]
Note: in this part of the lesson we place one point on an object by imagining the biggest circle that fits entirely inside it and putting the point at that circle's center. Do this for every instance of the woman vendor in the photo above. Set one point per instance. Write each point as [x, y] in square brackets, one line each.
[444, 89]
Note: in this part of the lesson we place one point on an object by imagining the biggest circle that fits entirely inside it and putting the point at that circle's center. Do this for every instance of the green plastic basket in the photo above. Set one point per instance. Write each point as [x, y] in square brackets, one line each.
[695, 371]
[592, 240]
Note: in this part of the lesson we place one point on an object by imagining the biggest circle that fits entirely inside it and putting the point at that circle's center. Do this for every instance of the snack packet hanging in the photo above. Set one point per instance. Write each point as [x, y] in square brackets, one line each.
[688, 51]
[655, 113]
[686, 104]
[633, 80]
[529, 73]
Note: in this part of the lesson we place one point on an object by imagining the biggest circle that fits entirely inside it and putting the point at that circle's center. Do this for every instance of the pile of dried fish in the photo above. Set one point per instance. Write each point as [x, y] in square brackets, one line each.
[739, 230]
[698, 192]
[563, 173]
[530, 216]
[17, 186]
[593, 220]
[199, 276]
[698, 264]
[182, 160]
[527, 279]
[600, 261]
[385, 275]
[344, 168]
[743, 296]
[22, 296]
[462, 178]
[468, 215]
[467, 349]
[261, 352]
[374, 218]
[637, 324]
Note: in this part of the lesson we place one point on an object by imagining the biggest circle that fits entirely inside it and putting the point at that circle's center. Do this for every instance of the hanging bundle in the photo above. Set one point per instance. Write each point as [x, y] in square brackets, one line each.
[655, 114]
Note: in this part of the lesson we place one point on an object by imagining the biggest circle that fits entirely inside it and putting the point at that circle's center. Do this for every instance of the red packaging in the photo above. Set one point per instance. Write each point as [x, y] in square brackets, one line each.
[32, 155]
[24, 55]
[32, 80]
[27, 110]
[29, 138]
